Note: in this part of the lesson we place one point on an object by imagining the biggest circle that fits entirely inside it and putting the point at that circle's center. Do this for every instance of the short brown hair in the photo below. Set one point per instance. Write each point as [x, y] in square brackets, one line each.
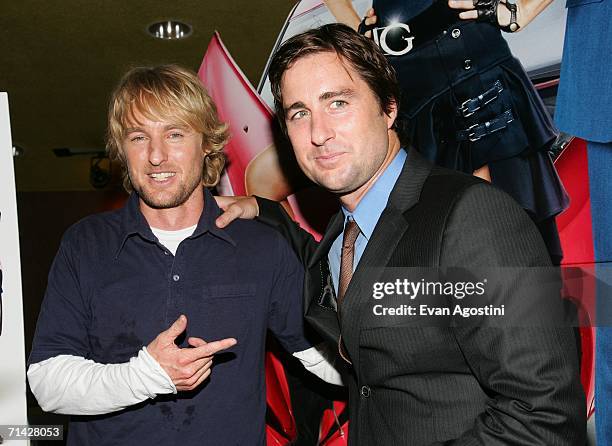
[361, 53]
[160, 92]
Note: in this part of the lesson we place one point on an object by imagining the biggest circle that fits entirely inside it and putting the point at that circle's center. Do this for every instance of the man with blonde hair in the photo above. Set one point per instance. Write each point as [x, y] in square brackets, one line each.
[103, 350]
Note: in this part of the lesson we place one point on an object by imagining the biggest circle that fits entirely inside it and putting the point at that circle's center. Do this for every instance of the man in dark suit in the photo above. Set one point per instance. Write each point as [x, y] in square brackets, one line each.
[410, 384]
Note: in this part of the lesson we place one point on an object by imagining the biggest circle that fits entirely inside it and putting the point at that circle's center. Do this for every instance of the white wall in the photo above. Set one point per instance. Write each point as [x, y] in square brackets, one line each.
[12, 350]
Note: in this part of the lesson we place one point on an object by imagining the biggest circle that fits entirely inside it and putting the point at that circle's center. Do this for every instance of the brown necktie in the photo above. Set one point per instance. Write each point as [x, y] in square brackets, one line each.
[351, 232]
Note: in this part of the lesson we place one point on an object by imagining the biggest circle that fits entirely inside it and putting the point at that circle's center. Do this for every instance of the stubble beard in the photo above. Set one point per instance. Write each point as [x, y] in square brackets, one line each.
[181, 196]
[343, 183]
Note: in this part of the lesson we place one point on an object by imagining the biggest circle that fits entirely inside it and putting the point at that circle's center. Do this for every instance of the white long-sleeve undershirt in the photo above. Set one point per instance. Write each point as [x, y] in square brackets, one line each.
[74, 385]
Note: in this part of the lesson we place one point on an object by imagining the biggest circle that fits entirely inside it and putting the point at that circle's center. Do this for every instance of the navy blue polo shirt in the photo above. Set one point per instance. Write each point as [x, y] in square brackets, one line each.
[113, 288]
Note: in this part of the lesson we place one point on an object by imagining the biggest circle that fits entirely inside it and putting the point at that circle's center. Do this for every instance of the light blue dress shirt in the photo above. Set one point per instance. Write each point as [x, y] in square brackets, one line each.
[366, 215]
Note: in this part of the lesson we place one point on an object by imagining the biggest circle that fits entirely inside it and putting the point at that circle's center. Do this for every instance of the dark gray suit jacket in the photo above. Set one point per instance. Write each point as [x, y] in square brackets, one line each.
[430, 385]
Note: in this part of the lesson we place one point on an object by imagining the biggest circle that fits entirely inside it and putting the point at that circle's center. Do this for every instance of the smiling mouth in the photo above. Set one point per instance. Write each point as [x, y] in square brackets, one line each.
[329, 156]
[161, 176]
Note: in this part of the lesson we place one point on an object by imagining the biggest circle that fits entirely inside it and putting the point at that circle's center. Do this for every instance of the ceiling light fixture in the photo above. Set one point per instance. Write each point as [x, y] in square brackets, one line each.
[169, 30]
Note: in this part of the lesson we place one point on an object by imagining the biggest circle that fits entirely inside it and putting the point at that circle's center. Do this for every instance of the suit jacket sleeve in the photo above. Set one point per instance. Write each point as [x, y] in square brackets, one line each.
[273, 214]
[530, 373]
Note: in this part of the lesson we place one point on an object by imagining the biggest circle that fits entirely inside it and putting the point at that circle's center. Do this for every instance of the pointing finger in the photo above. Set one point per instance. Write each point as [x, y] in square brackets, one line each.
[212, 348]
[196, 342]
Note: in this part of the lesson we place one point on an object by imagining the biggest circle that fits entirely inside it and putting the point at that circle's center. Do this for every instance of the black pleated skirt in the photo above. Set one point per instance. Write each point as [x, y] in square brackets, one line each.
[462, 63]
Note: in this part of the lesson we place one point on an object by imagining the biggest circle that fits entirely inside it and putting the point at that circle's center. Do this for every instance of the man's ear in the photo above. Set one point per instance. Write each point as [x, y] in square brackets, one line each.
[206, 147]
[391, 115]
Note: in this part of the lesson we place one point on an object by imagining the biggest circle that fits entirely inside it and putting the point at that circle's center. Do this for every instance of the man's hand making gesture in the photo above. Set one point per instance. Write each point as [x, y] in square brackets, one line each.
[187, 367]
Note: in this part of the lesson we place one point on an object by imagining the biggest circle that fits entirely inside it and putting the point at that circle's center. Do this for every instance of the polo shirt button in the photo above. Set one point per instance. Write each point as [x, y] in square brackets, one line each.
[176, 277]
[166, 253]
[365, 391]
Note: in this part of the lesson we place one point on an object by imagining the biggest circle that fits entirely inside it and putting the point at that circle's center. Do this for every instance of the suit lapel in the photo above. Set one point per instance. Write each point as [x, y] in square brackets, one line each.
[333, 230]
[388, 232]
[320, 305]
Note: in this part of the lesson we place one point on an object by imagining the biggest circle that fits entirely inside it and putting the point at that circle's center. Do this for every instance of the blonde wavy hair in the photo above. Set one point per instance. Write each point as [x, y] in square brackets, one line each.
[161, 92]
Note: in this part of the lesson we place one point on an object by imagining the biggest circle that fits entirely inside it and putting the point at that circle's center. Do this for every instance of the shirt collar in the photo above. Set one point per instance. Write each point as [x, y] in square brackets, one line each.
[134, 223]
[373, 203]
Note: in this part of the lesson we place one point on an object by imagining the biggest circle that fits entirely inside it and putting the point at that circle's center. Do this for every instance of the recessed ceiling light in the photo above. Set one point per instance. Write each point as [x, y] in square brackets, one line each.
[169, 30]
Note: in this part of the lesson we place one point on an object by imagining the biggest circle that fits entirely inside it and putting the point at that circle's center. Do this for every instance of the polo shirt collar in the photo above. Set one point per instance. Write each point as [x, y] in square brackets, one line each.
[134, 223]
[207, 220]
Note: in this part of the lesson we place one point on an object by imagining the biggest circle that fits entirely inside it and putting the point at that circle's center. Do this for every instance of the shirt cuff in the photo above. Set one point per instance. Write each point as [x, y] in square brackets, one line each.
[316, 360]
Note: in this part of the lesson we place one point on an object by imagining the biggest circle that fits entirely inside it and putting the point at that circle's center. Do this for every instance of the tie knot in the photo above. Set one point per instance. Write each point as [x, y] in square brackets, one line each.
[351, 232]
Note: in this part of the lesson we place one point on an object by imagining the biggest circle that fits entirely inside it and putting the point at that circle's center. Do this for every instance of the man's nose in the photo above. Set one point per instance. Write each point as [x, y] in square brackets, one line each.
[157, 151]
[321, 131]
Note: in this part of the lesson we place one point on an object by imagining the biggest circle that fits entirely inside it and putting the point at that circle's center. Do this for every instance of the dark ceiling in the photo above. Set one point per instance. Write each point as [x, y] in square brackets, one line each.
[59, 61]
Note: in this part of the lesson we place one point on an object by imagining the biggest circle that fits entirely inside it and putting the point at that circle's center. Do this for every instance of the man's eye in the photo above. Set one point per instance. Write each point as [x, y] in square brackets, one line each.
[299, 115]
[338, 104]
[138, 138]
[175, 135]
